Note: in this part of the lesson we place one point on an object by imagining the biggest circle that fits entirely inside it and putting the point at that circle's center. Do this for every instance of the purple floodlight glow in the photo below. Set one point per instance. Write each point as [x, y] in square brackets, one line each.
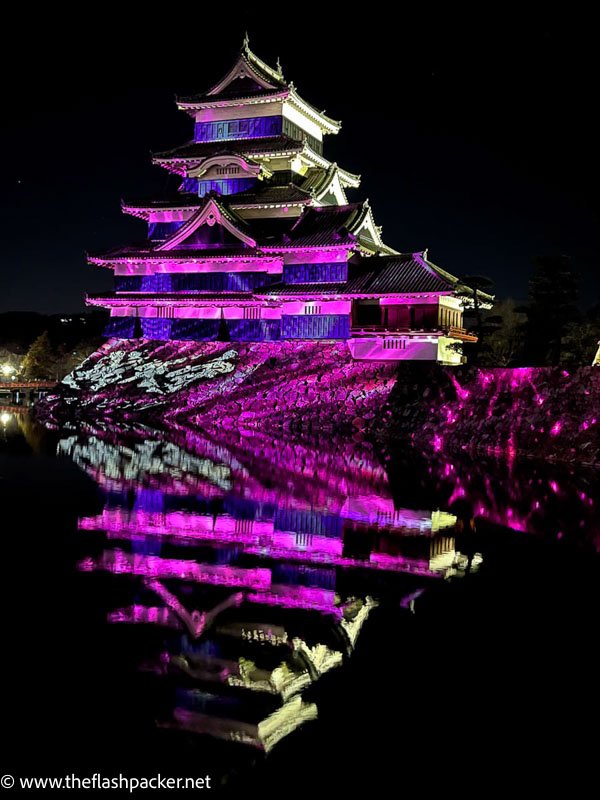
[390, 563]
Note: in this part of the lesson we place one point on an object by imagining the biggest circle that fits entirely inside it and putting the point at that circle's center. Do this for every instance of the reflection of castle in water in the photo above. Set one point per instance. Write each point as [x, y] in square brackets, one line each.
[259, 561]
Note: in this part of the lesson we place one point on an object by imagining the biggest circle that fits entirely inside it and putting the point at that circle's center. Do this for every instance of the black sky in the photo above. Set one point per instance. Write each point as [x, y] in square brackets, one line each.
[475, 137]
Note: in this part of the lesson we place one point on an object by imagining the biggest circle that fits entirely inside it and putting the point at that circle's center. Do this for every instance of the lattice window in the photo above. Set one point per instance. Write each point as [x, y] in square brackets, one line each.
[251, 313]
[165, 312]
[312, 309]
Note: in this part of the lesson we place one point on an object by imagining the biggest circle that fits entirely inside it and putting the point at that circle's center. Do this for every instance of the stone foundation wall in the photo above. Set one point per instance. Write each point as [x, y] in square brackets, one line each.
[288, 385]
[314, 387]
[548, 413]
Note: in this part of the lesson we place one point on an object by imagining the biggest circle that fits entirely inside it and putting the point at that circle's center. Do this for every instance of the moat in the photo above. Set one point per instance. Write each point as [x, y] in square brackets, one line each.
[286, 611]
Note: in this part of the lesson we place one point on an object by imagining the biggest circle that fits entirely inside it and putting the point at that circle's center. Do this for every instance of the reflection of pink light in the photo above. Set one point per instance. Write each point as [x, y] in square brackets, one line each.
[301, 597]
[261, 534]
[301, 542]
[145, 615]
[556, 428]
[457, 494]
[120, 563]
[554, 486]
[376, 560]
[120, 522]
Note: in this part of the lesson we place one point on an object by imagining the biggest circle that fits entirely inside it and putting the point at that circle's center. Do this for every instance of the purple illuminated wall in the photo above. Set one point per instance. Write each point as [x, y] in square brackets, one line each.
[254, 330]
[222, 186]
[156, 328]
[195, 329]
[162, 230]
[253, 128]
[315, 326]
[315, 273]
[194, 282]
[225, 186]
[120, 328]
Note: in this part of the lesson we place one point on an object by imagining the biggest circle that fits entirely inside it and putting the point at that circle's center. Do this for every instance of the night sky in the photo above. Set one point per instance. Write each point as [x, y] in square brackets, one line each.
[476, 138]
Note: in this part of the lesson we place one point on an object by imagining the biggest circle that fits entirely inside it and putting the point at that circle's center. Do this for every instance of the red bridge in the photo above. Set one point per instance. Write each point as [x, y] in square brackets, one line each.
[18, 386]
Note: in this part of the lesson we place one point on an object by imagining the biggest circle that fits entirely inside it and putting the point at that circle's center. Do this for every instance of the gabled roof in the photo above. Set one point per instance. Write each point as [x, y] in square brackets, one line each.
[248, 76]
[197, 151]
[331, 226]
[252, 79]
[327, 124]
[247, 166]
[263, 194]
[331, 181]
[319, 180]
[141, 254]
[211, 212]
[326, 226]
[368, 233]
[404, 273]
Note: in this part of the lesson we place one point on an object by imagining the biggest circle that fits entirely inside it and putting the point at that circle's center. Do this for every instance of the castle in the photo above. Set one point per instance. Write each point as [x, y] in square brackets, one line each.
[261, 243]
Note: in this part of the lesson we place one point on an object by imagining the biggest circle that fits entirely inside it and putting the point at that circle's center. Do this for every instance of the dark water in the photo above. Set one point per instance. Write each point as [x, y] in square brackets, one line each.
[438, 617]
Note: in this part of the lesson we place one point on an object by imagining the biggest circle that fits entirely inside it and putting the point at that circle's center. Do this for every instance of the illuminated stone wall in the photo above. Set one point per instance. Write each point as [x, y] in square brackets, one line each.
[309, 387]
[304, 386]
[549, 413]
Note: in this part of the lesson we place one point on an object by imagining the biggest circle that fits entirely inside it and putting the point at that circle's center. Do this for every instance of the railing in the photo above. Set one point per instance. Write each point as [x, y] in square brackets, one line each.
[461, 333]
[360, 329]
[18, 385]
[376, 330]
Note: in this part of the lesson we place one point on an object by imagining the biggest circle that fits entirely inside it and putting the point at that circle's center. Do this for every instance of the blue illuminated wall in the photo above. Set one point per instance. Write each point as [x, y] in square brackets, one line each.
[317, 326]
[195, 329]
[228, 129]
[156, 328]
[120, 327]
[162, 230]
[324, 326]
[254, 330]
[315, 273]
[219, 185]
[240, 330]
[308, 522]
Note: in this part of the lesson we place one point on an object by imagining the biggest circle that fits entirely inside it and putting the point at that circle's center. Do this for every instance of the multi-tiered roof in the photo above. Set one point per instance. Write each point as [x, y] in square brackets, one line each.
[260, 214]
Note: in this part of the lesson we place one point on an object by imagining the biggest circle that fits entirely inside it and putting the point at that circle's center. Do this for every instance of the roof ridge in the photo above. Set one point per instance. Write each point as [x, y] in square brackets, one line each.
[277, 74]
[421, 257]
